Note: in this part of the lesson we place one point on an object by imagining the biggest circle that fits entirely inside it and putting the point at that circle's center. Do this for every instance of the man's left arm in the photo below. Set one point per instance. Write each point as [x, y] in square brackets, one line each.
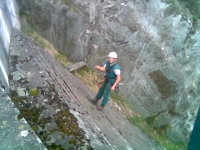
[118, 78]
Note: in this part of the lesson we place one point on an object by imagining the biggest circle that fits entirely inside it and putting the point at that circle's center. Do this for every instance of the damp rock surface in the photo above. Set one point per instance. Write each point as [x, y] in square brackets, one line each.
[55, 104]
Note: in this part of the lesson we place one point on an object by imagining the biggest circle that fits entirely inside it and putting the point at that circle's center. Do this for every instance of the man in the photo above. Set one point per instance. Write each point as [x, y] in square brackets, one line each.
[112, 78]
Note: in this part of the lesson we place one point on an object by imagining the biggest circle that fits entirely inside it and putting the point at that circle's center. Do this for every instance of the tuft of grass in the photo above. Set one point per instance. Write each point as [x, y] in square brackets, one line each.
[47, 46]
[40, 40]
[62, 59]
[158, 135]
[89, 77]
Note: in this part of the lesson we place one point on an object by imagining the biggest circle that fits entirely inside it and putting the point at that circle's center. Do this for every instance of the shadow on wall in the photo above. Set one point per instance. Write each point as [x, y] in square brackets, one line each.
[8, 21]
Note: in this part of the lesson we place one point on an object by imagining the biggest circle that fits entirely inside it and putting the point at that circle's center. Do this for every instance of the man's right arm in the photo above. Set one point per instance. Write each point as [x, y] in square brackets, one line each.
[103, 68]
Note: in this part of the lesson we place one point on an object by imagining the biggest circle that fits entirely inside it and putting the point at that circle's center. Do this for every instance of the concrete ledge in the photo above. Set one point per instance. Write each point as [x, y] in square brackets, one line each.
[76, 66]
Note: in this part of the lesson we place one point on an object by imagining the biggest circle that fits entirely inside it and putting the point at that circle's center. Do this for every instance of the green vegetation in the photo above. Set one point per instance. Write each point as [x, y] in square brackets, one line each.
[89, 77]
[38, 39]
[185, 7]
[71, 6]
[47, 46]
[194, 7]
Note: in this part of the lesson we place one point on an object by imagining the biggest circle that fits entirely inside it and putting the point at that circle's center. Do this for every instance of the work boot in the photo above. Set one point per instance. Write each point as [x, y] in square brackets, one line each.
[94, 101]
[100, 108]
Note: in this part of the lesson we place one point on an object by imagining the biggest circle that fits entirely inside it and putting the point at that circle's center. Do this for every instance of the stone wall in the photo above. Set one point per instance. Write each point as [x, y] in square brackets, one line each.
[8, 21]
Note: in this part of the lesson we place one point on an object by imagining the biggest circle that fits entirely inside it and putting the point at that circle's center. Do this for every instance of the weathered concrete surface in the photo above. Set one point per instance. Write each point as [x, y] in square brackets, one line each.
[105, 130]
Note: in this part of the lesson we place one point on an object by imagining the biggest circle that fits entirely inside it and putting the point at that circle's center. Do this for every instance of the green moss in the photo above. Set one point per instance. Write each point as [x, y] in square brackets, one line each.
[72, 127]
[34, 92]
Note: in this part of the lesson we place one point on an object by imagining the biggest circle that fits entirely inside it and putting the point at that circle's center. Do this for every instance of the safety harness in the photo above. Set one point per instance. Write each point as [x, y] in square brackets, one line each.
[108, 69]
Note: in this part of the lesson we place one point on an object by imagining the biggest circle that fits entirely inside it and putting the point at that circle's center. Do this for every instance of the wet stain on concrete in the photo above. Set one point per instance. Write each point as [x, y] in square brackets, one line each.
[166, 87]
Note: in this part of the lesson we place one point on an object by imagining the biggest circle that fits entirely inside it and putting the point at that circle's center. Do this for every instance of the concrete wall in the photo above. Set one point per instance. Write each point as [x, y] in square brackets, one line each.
[8, 21]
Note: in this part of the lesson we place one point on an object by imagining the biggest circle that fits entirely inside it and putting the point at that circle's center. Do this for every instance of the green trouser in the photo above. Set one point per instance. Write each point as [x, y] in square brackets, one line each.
[104, 91]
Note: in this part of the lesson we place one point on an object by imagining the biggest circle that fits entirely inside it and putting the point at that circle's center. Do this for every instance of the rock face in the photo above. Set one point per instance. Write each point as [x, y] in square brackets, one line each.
[158, 47]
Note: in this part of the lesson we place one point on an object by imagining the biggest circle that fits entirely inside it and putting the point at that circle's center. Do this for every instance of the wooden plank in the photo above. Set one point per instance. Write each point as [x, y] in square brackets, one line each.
[76, 66]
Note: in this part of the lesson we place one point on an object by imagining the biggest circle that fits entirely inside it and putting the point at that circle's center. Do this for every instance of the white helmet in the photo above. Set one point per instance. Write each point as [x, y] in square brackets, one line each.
[112, 55]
